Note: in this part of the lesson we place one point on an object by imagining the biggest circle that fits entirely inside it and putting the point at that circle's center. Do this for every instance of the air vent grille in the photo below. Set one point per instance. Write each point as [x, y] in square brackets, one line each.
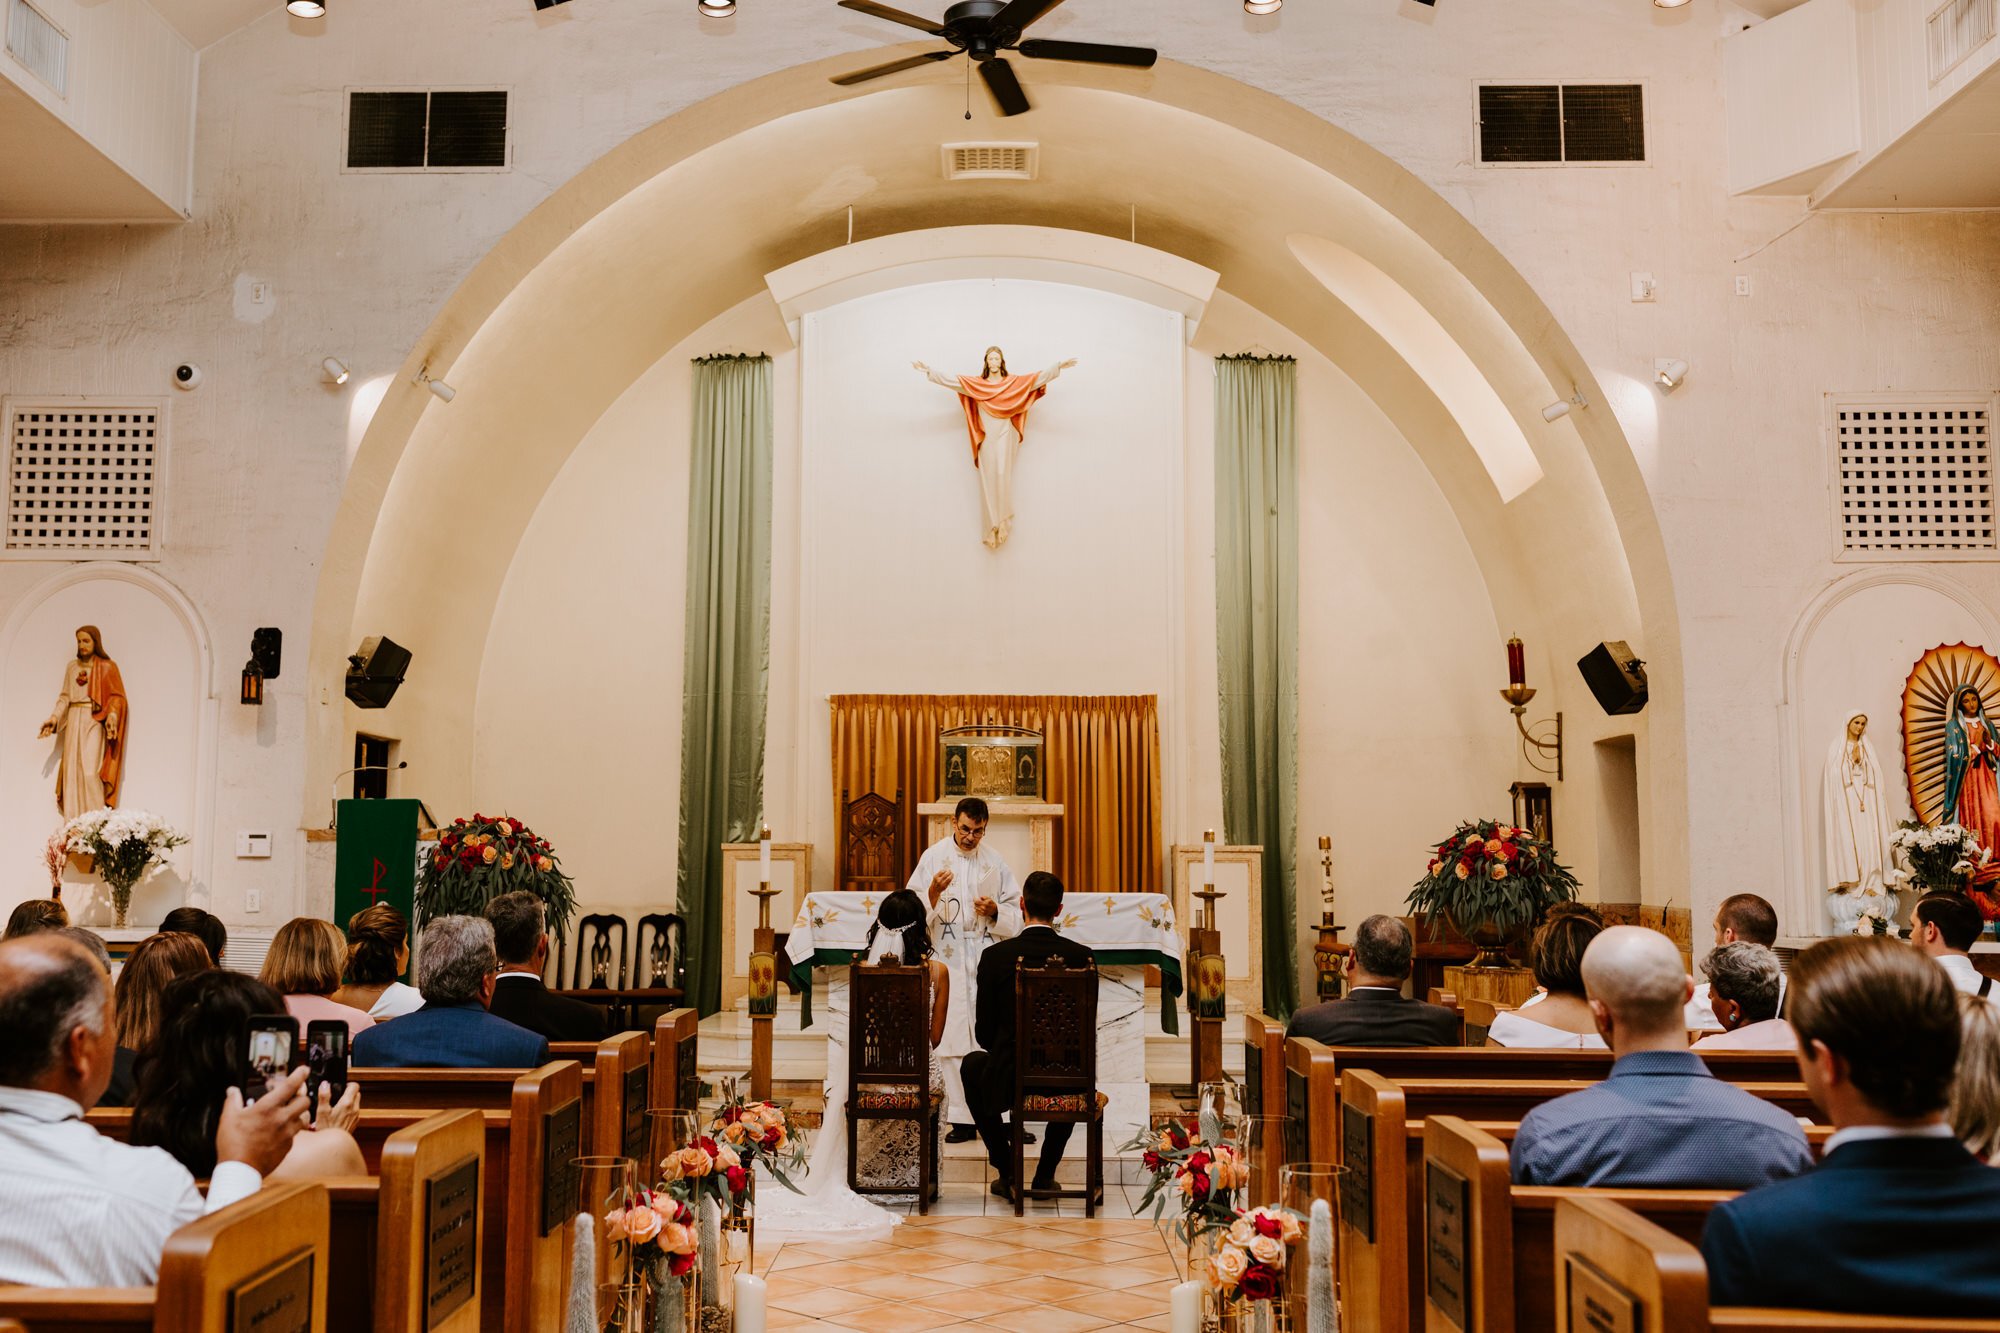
[39, 45]
[1557, 123]
[991, 161]
[1956, 31]
[415, 130]
[84, 477]
[1915, 476]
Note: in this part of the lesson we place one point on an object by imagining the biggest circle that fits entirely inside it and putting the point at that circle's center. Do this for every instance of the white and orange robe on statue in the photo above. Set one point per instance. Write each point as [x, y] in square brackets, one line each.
[996, 420]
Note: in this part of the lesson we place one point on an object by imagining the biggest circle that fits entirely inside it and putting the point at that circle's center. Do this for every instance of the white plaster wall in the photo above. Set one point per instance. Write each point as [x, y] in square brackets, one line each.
[360, 264]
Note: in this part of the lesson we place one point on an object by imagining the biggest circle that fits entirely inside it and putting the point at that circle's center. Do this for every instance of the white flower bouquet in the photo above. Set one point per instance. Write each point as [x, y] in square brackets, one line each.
[1940, 859]
[125, 844]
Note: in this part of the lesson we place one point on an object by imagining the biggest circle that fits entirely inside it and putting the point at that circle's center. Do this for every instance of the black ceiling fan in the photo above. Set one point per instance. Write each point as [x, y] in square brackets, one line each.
[982, 29]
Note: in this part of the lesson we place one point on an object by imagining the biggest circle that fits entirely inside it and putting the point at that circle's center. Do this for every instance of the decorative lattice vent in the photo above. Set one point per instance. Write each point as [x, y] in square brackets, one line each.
[38, 44]
[1955, 31]
[991, 161]
[84, 478]
[1915, 476]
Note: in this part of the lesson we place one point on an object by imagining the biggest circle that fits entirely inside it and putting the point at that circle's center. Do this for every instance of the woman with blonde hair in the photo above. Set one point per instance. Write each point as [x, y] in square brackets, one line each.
[1975, 1094]
[155, 961]
[378, 952]
[304, 966]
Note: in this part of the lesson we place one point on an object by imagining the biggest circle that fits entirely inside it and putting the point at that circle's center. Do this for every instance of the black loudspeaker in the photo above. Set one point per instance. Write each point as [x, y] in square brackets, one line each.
[374, 673]
[267, 650]
[1615, 676]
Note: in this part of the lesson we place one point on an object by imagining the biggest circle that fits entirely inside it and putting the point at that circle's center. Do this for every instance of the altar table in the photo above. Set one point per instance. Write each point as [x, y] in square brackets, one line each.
[1128, 932]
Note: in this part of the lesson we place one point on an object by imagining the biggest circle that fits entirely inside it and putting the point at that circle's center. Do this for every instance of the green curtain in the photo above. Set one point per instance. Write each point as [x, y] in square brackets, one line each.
[1257, 636]
[726, 678]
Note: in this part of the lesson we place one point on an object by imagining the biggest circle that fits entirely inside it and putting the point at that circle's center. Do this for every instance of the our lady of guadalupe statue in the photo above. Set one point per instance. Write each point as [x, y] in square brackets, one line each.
[1971, 796]
[89, 726]
[996, 420]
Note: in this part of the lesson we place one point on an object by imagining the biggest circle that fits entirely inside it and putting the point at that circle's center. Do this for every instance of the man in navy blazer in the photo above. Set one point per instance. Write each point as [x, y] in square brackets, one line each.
[1898, 1219]
[456, 969]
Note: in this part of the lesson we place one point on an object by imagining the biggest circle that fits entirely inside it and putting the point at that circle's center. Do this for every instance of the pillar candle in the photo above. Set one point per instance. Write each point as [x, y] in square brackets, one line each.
[750, 1293]
[1208, 858]
[1517, 663]
[1185, 1311]
[764, 855]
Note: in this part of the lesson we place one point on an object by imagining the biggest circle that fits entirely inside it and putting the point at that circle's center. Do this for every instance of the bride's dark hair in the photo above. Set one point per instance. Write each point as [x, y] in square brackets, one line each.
[903, 910]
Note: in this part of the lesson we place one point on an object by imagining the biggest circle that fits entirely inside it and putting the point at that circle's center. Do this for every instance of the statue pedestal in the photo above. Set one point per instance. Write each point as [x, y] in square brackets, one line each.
[1510, 987]
[1022, 833]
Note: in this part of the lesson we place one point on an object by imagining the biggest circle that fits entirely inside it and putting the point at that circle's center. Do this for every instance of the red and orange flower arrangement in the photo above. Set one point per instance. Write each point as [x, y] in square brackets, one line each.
[1249, 1259]
[476, 860]
[1491, 878]
[1205, 1175]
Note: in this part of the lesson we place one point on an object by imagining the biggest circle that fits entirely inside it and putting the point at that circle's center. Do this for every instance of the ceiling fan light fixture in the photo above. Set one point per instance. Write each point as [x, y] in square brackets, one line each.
[1262, 6]
[305, 9]
[715, 9]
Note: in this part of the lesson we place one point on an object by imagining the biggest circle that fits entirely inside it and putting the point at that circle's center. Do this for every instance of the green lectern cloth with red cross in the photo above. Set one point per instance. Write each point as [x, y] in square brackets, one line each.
[374, 857]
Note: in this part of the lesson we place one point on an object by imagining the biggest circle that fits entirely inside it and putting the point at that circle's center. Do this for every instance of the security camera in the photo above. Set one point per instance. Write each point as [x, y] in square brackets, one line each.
[187, 375]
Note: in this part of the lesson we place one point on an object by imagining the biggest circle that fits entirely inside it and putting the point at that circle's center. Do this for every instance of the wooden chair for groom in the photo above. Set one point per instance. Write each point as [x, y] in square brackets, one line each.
[1055, 1071]
[888, 1068]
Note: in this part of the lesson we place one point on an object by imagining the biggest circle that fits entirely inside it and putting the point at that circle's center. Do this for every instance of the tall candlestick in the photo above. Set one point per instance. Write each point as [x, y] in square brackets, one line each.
[1185, 1308]
[764, 855]
[1517, 662]
[750, 1300]
[1208, 858]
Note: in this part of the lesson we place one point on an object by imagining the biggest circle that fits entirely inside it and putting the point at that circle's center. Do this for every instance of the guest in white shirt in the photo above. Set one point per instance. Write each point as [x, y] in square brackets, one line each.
[84, 1210]
[1945, 926]
[1743, 983]
[1562, 1016]
[378, 952]
[1746, 917]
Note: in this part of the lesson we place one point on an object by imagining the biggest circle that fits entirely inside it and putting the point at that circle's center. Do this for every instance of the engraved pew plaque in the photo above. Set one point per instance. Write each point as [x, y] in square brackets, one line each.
[562, 1144]
[636, 1084]
[1596, 1303]
[1357, 1154]
[1298, 1129]
[1253, 1078]
[451, 1239]
[278, 1301]
[1446, 1198]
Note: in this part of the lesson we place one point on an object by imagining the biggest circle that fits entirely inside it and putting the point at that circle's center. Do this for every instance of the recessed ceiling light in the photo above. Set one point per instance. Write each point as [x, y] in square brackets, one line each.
[1668, 4]
[1262, 6]
[305, 9]
[715, 9]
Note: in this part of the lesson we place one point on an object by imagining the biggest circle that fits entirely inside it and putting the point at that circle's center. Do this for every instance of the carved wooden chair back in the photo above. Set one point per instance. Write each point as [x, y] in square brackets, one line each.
[1055, 1030]
[593, 967]
[888, 1038]
[871, 855]
[660, 951]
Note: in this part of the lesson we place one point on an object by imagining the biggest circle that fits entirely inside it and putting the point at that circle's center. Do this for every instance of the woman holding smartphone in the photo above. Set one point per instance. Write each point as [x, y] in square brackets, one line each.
[209, 1038]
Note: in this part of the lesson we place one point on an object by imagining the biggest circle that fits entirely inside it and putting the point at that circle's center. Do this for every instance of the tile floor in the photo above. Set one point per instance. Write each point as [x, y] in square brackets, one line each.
[972, 1263]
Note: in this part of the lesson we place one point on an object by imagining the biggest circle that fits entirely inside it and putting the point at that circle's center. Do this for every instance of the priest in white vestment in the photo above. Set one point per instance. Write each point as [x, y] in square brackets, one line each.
[974, 899]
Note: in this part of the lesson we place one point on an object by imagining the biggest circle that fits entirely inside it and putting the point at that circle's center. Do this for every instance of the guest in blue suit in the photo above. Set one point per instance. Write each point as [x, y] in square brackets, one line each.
[456, 970]
[1899, 1219]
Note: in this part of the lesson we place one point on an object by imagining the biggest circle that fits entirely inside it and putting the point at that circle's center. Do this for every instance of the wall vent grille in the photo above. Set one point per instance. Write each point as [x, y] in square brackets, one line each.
[1914, 476]
[1956, 30]
[39, 45]
[1546, 124]
[412, 129]
[84, 477]
[991, 161]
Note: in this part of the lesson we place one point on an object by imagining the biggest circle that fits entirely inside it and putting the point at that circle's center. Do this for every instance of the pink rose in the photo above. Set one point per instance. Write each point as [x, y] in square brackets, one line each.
[1227, 1267]
[676, 1238]
[642, 1223]
[1268, 1250]
[614, 1224]
[726, 1157]
[692, 1164]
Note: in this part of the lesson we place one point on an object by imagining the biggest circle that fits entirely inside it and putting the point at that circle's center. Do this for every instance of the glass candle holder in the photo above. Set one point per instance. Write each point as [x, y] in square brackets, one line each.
[606, 1189]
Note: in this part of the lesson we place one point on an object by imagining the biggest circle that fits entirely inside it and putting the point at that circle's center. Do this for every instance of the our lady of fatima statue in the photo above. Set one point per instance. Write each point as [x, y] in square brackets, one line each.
[996, 419]
[89, 726]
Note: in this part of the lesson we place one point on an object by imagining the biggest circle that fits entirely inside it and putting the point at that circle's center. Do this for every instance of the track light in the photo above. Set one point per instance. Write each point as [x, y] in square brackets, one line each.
[306, 9]
[1558, 410]
[715, 9]
[444, 391]
[334, 369]
[1668, 374]
[1262, 6]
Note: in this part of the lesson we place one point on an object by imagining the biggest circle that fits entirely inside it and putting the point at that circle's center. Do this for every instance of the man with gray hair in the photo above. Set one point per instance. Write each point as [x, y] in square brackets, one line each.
[1743, 991]
[84, 1210]
[1661, 1120]
[456, 970]
[1374, 1011]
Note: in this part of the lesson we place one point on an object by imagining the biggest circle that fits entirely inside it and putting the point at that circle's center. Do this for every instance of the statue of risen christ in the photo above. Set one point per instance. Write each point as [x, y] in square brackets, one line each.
[996, 420]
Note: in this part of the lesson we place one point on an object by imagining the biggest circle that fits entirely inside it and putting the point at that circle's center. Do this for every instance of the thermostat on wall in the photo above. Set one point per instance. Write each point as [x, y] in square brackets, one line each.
[253, 845]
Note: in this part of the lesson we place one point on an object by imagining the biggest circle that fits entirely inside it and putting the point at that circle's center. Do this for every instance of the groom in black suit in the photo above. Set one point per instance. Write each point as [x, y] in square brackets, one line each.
[989, 1071]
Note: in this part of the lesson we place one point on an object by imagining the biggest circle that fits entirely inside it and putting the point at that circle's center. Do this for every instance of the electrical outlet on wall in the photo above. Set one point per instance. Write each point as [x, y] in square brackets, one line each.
[1743, 284]
[253, 900]
[1645, 287]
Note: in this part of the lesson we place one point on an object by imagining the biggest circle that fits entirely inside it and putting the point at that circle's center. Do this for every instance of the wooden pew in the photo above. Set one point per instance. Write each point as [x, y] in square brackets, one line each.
[1264, 1092]
[1312, 1097]
[265, 1255]
[1613, 1262]
[1479, 1016]
[620, 1089]
[1496, 1062]
[428, 1277]
[676, 1081]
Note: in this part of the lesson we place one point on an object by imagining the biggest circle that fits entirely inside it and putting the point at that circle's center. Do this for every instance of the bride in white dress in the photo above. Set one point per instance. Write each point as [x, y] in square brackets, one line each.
[888, 1149]
[1562, 1015]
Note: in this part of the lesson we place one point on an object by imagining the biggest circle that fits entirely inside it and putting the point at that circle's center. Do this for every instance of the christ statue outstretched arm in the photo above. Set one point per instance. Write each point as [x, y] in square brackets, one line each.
[996, 420]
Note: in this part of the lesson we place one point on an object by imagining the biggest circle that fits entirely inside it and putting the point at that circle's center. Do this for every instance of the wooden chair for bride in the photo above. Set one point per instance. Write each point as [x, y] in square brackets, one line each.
[1055, 1071]
[888, 1068]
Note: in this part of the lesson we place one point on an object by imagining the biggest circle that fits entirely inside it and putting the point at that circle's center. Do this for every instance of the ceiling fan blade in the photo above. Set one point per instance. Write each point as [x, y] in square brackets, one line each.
[1090, 53]
[892, 67]
[893, 15]
[1006, 89]
[1019, 14]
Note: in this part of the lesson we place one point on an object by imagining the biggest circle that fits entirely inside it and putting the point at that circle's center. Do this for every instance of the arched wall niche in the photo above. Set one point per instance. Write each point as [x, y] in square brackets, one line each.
[572, 307]
[161, 645]
[1853, 647]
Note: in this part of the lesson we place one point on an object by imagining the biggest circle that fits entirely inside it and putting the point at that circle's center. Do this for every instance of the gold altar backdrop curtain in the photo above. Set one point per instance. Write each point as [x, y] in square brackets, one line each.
[1100, 762]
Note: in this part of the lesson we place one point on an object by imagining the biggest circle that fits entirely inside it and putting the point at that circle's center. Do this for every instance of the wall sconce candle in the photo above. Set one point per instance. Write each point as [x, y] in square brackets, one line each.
[1545, 742]
[1517, 662]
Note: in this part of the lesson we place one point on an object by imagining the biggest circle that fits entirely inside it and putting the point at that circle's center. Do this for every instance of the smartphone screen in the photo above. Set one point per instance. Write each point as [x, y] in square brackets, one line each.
[326, 1060]
[273, 1046]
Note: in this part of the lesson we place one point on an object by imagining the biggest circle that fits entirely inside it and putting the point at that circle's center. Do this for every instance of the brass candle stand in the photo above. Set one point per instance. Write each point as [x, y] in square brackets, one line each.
[763, 981]
[1329, 954]
[1208, 986]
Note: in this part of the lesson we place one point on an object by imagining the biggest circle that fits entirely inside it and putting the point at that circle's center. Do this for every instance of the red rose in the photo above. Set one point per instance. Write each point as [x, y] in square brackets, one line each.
[1259, 1283]
[679, 1264]
[770, 1139]
[1266, 1225]
[1509, 850]
[1199, 1160]
[1200, 1186]
[738, 1178]
[1150, 1160]
[1177, 1136]
[439, 860]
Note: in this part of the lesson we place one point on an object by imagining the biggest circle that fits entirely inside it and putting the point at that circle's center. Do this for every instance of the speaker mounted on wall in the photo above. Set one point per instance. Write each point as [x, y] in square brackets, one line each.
[374, 673]
[267, 649]
[1616, 676]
